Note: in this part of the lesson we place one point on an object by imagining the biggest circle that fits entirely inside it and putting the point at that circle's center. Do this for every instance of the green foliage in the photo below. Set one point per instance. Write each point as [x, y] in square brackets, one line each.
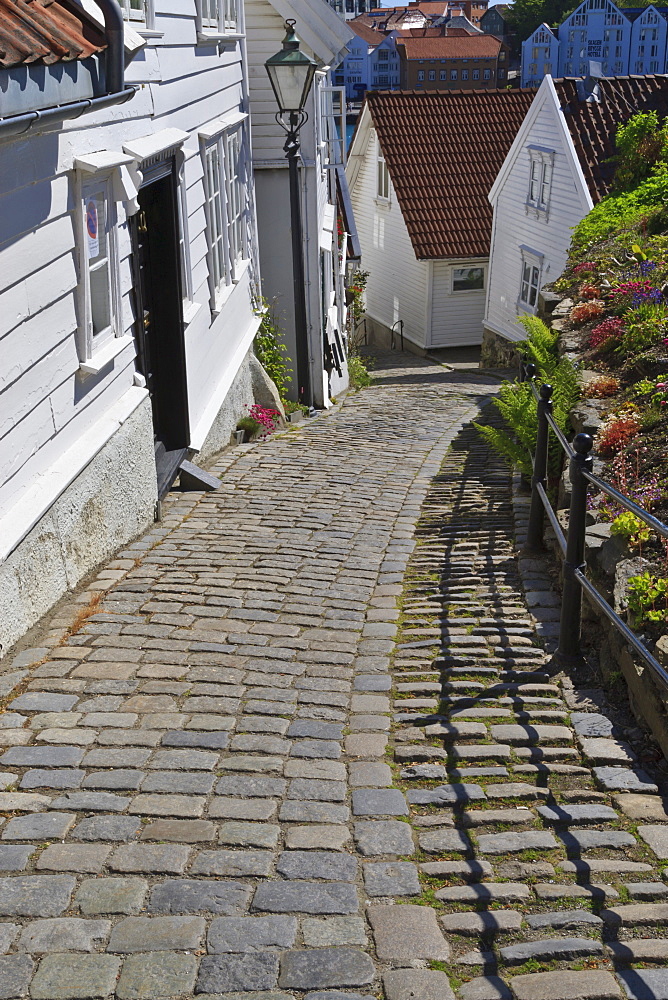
[271, 352]
[356, 287]
[358, 372]
[516, 442]
[526, 15]
[630, 527]
[644, 207]
[644, 327]
[249, 425]
[640, 197]
[648, 598]
[641, 143]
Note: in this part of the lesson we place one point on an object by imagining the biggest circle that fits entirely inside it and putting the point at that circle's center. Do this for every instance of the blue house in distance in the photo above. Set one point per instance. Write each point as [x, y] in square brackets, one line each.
[623, 42]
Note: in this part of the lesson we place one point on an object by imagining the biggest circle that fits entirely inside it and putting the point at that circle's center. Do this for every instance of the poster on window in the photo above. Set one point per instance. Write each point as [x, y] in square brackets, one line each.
[92, 229]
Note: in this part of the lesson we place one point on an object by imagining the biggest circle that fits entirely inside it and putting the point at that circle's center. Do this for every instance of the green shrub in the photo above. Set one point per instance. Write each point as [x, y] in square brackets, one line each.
[271, 352]
[517, 405]
[644, 327]
[249, 425]
[644, 207]
[358, 372]
[648, 598]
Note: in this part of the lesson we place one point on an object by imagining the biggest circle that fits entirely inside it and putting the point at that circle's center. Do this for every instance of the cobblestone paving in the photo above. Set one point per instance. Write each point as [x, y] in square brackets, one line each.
[290, 712]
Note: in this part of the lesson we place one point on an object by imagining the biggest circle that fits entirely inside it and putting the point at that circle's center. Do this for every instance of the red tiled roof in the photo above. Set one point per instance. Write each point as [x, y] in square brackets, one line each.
[46, 31]
[443, 151]
[452, 47]
[593, 124]
[364, 31]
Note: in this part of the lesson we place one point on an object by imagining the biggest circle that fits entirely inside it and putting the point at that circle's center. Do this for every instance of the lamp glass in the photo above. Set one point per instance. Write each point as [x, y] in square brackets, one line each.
[291, 74]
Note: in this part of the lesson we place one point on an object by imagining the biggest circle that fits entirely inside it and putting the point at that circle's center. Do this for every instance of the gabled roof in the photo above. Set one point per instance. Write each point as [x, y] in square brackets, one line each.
[633, 13]
[46, 31]
[443, 151]
[368, 34]
[593, 123]
[452, 47]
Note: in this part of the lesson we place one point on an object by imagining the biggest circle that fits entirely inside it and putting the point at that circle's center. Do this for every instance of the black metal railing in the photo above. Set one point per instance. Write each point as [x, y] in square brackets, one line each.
[572, 543]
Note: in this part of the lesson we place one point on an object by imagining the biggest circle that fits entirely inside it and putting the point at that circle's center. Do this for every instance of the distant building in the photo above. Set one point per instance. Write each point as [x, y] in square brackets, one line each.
[494, 22]
[628, 41]
[372, 62]
[540, 56]
[462, 62]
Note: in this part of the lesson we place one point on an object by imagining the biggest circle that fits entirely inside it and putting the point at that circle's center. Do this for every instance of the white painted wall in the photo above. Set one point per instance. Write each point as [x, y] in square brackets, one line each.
[323, 36]
[48, 407]
[456, 317]
[516, 225]
[397, 284]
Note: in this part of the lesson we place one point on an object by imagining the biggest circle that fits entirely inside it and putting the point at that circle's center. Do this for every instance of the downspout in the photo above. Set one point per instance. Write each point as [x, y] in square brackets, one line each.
[117, 93]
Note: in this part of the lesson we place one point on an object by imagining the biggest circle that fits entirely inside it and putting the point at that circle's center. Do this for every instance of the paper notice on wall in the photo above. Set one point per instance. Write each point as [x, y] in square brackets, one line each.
[92, 229]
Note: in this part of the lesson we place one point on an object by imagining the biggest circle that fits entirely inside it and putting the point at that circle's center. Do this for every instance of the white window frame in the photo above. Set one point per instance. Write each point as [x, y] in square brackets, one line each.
[467, 267]
[531, 280]
[382, 177]
[541, 173]
[225, 205]
[92, 342]
[145, 15]
[219, 20]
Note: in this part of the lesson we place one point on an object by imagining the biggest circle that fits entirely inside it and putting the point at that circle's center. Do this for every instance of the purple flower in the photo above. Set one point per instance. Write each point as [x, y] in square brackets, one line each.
[646, 266]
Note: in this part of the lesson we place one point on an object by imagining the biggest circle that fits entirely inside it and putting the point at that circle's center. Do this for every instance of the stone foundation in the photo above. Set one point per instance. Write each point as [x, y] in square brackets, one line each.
[497, 352]
[110, 502]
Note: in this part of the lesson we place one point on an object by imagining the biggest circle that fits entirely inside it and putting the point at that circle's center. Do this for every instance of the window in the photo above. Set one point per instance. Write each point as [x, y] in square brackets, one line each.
[383, 55]
[502, 56]
[502, 73]
[216, 17]
[383, 80]
[487, 74]
[530, 280]
[98, 209]
[465, 74]
[420, 75]
[432, 74]
[133, 10]
[225, 207]
[476, 74]
[382, 176]
[443, 75]
[540, 178]
[453, 74]
[468, 279]
[98, 273]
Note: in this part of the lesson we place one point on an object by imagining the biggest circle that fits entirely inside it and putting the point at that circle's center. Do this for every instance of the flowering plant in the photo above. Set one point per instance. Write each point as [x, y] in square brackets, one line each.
[586, 311]
[266, 417]
[610, 329]
[586, 291]
[616, 433]
[601, 387]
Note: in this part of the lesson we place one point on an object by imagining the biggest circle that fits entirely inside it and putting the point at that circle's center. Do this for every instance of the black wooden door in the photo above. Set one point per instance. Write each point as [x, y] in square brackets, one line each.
[159, 322]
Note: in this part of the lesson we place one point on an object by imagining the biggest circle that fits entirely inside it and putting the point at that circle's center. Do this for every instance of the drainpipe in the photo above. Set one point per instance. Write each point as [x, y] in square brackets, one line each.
[117, 92]
[115, 57]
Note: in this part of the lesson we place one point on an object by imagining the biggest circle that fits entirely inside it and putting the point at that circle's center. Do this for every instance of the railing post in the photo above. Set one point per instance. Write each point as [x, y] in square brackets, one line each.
[571, 601]
[539, 477]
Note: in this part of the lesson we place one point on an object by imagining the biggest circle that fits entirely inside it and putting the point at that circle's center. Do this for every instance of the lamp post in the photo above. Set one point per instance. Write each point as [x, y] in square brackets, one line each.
[291, 75]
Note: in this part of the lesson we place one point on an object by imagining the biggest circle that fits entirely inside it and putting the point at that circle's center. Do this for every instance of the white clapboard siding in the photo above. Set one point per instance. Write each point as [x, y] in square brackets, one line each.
[515, 226]
[397, 284]
[45, 404]
[456, 317]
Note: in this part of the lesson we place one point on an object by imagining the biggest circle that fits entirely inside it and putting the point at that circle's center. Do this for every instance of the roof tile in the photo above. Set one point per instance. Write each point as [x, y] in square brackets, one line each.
[46, 31]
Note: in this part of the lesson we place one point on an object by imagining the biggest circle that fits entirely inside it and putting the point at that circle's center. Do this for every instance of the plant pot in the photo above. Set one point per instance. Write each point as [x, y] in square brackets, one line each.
[239, 436]
[295, 417]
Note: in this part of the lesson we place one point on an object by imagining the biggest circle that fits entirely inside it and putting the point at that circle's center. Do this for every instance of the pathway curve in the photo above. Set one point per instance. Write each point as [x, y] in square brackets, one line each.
[291, 711]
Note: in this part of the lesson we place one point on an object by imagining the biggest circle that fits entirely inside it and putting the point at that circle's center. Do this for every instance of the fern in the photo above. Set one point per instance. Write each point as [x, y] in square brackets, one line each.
[516, 442]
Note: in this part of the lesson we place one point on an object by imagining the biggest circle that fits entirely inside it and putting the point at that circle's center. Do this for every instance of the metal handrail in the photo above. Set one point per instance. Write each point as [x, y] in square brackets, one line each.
[572, 543]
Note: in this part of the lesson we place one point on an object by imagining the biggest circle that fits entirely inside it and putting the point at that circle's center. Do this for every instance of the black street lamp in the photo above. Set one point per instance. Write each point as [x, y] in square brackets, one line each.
[291, 75]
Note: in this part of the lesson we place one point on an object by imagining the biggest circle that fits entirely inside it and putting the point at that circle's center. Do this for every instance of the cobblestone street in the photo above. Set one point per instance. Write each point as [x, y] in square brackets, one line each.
[303, 699]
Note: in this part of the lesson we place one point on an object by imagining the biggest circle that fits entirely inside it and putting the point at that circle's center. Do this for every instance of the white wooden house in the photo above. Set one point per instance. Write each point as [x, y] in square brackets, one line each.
[419, 196]
[128, 274]
[558, 167]
[324, 36]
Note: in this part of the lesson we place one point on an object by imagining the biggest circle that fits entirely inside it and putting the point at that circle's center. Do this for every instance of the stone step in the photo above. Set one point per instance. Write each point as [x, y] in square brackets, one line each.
[636, 915]
[566, 985]
[492, 892]
[551, 949]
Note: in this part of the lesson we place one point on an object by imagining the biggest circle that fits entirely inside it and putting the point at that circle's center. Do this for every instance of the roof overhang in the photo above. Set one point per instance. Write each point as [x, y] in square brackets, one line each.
[319, 27]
